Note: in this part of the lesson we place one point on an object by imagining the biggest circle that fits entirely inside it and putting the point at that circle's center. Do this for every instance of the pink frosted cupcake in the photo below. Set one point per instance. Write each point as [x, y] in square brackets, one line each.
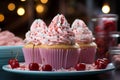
[84, 37]
[33, 40]
[60, 51]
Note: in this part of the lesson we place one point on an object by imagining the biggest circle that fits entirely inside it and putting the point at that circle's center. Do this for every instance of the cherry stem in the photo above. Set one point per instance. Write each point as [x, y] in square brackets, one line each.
[33, 53]
[16, 55]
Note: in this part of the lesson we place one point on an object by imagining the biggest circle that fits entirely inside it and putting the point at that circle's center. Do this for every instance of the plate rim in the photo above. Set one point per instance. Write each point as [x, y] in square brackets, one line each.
[57, 73]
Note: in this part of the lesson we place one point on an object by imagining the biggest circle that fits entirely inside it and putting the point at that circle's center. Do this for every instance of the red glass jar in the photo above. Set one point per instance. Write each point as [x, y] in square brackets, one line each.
[104, 25]
[102, 41]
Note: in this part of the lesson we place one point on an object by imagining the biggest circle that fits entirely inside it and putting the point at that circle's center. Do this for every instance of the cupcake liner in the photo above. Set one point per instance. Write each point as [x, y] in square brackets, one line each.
[87, 55]
[31, 57]
[59, 58]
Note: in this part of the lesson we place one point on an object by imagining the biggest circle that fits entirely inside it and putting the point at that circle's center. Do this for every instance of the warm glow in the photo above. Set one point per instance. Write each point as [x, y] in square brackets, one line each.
[11, 6]
[22, 0]
[2, 17]
[44, 1]
[40, 8]
[106, 8]
[21, 11]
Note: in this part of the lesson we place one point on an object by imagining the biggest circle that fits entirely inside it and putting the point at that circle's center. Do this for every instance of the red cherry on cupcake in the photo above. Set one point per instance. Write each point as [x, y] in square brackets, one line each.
[33, 66]
[13, 63]
[46, 67]
[80, 66]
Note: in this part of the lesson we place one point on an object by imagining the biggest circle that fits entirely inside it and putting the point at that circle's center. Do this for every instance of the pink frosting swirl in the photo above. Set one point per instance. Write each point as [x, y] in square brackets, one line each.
[82, 32]
[7, 38]
[38, 24]
[37, 32]
[59, 31]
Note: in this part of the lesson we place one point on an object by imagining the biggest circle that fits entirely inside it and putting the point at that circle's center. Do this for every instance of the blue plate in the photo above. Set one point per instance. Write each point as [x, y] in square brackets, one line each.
[110, 67]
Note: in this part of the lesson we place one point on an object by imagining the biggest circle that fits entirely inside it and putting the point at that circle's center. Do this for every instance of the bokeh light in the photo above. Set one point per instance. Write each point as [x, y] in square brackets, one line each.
[2, 17]
[106, 8]
[11, 6]
[22, 0]
[21, 11]
[44, 1]
[39, 8]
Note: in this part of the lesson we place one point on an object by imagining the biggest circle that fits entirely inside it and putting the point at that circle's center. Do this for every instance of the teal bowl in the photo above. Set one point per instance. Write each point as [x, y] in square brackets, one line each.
[8, 52]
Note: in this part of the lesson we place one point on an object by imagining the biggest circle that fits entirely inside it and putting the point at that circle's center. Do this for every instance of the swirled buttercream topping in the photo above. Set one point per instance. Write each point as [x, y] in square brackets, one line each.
[37, 32]
[59, 31]
[82, 32]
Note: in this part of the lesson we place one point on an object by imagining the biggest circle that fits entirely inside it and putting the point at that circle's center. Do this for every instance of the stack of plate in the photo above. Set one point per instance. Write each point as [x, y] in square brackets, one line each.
[8, 52]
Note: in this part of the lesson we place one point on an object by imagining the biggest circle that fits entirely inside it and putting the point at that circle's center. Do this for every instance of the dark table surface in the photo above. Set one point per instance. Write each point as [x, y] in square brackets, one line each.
[110, 75]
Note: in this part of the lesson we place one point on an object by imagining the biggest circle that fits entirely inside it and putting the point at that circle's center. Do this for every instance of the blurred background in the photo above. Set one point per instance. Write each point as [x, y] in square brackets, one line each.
[18, 15]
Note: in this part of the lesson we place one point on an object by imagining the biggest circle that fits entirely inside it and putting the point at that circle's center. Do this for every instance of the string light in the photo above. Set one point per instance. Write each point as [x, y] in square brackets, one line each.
[106, 8]
[2, 17]
[40, 8]
[21, 11]
[11, 6]
[44, 1]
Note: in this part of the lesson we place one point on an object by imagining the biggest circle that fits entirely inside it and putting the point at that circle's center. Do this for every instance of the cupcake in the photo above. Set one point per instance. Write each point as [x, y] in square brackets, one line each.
[60, 51]
[85, 39]
[33, 40]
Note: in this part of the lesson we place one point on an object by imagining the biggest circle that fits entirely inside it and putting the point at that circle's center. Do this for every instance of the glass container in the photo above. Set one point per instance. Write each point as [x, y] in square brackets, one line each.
[105, 28]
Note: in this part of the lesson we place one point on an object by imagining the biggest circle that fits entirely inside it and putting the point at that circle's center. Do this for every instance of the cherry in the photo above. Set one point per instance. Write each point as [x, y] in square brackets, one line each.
[13, 63]
[33, 66]
[80, 66]
[12, 60]
[106, 60]
[47, 67]
[101, 63]
[110, 26]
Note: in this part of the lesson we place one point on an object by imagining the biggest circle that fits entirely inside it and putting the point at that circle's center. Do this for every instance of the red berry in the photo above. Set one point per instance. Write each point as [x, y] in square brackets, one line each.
[110, 26]
[101, 63]
[97, 61]
[47, 67]
[80, 66]
[34, 66]
[106, 60]
[14, 64]
[12, 60]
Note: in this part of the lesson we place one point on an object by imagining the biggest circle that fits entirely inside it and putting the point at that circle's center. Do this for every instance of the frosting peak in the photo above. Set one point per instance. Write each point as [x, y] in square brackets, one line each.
[82, 32]
[58, 21]
[37, 32]
[78, 23]
[38, 24]
[59, 31]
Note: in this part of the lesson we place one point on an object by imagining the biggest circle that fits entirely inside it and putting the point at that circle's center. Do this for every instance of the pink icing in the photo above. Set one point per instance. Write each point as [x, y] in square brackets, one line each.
[37, 32]
[59, 31]
[7, 38]
[82, 32]
[80, 23]
[38, 24]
